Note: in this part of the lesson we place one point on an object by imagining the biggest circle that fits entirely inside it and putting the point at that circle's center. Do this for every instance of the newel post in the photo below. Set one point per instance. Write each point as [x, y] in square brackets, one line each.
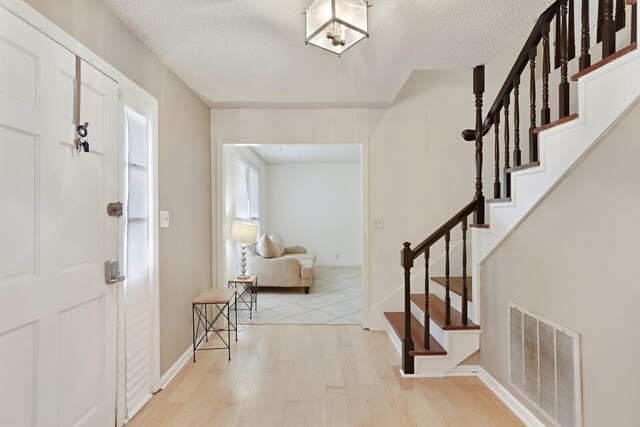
[478, 90]
[407, 341]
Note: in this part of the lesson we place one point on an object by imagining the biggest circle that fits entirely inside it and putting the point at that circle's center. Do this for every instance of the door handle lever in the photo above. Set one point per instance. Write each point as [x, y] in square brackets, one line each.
[112, 272]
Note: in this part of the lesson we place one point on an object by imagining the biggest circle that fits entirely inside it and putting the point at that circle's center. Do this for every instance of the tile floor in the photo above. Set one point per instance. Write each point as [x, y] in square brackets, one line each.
[334, 298]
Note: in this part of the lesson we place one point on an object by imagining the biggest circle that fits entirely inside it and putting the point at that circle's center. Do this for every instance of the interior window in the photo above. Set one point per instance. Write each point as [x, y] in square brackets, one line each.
[247, 192]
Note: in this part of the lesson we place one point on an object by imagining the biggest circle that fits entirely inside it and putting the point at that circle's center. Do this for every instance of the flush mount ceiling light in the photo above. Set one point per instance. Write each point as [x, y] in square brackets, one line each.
[336, 25]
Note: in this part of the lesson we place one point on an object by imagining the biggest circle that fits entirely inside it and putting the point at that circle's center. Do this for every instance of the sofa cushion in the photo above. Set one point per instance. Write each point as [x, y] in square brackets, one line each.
[266, 248]
[277, 240]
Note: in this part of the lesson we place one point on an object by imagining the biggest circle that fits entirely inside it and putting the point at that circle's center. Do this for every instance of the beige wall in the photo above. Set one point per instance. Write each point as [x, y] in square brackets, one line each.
[573, 261]
[184, 161]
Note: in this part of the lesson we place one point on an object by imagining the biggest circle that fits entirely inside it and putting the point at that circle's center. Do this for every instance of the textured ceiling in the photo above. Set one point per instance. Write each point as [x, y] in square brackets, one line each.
[252, 52]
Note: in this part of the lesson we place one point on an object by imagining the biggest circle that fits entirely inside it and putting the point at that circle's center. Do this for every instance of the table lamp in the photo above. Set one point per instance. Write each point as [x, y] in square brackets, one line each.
[244, 233]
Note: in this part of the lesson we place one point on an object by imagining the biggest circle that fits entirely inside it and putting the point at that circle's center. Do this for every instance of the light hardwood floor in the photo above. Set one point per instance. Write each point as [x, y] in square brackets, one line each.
[319, 375]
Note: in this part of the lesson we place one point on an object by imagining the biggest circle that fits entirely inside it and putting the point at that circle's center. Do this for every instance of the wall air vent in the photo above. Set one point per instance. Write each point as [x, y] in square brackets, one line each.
[544, 366]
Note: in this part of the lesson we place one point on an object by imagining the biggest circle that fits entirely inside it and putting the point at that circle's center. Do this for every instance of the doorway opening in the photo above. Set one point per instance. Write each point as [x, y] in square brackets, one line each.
[309, 201]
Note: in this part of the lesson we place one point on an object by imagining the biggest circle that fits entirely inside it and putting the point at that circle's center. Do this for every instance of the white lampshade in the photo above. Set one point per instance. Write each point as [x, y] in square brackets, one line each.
[244, 232]
[336, 25]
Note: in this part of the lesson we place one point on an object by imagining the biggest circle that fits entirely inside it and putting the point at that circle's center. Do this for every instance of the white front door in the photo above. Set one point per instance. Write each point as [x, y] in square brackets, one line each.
[57, 315]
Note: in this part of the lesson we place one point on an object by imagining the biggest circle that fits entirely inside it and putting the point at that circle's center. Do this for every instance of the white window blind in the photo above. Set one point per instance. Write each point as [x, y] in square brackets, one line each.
[137, 289]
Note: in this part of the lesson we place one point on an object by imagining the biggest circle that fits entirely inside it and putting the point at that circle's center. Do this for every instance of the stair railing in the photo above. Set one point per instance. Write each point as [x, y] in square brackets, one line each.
[408, 258]
[561, 16]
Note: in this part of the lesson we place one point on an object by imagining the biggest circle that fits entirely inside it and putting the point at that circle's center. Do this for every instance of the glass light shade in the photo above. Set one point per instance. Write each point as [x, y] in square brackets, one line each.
[244, 232]
[336, 25]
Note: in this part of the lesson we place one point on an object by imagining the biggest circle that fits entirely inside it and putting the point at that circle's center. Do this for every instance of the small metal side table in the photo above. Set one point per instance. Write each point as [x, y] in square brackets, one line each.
[220, 302]
[247, 290]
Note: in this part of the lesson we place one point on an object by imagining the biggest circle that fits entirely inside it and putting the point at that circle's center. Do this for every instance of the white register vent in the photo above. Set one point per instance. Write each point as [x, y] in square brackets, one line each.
[544, 366]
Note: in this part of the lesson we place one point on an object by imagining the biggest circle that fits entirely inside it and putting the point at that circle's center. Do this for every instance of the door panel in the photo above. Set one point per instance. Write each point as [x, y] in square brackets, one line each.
[81, 364]
[18, 181]
[18, 348]
[57, 315]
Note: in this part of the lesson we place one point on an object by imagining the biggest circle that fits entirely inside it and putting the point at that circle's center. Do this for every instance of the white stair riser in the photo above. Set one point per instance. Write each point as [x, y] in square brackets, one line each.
[456, 300]
[436, 331]
[462, 344]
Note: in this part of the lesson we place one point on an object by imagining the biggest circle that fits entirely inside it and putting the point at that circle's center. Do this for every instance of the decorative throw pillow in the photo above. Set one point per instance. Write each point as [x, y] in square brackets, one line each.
[277, 240]
[266, 248]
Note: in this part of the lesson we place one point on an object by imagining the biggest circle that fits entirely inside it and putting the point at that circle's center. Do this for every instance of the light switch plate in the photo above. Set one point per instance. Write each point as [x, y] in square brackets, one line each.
[164, 219]
[378, 223]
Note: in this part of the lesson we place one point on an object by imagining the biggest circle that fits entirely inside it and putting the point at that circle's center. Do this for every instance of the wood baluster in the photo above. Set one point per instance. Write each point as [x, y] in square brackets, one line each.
[621, 15]
[634, 23]
[545, 114]
[408, 366]
[585, 56]
[608, 30]
[558, 37]
[478, 90]
[447, 297]
[564, 69]
[507, 175]
[517, 154]
[465, 309]
[571, 41]
[496, 184]
[600, 21]
[533, 137]
[427, 281]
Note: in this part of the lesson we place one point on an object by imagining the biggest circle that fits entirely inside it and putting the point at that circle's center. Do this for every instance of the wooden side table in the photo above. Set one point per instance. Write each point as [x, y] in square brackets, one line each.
[220, 299]
[248, 286]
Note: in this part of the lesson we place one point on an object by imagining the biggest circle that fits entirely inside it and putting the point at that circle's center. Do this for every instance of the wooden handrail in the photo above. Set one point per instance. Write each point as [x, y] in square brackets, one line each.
[516, 70]
[446, 227]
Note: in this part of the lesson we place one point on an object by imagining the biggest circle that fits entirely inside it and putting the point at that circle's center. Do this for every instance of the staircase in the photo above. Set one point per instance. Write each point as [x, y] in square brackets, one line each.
[441, 327]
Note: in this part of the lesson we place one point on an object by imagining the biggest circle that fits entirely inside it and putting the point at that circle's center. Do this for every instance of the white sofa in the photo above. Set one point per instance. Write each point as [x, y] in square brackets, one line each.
[295, 268]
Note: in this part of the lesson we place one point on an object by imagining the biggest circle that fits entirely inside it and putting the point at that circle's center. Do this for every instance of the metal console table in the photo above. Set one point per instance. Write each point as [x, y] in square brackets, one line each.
[220, 301]
[247, 290]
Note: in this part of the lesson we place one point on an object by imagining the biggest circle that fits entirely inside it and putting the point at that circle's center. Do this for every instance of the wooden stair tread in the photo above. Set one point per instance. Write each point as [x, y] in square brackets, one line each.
[396, 320]
[523, 167]
[455, 285]
[436, 312]
[502, 200]
[558, 122]
[605, 61]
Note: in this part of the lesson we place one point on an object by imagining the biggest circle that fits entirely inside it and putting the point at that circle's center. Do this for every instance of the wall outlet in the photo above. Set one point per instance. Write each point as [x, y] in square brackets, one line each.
[164, 219]
[378, 223]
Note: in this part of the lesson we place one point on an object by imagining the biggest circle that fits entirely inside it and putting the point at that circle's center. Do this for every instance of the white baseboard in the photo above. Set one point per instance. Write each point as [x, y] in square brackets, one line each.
[521, 411]
[464, 371]
[175, 368]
